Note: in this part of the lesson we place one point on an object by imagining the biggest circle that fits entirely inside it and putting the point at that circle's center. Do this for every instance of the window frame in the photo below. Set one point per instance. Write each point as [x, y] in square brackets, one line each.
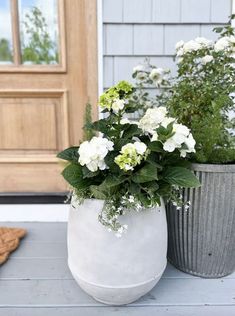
[17, 66]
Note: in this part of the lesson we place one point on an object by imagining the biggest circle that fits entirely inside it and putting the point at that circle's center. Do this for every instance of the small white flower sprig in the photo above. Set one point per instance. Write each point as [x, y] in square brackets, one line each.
[130, 165]
[147, 75]
[150, 75]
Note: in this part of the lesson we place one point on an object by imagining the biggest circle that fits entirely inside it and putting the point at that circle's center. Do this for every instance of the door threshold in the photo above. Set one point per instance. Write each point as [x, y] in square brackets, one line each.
[33, 198]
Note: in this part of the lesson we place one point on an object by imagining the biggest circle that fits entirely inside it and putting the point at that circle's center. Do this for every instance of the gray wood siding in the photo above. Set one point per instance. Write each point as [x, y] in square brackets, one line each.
[135, 29]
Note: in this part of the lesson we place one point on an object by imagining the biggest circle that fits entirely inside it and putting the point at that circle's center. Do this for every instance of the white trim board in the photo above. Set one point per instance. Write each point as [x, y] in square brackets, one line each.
[233, 12]
[100, 45]
[34, 212]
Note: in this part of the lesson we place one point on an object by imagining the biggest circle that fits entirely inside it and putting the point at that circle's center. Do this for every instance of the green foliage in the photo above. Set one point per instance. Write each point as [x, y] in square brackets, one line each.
[88, 131]
[181, 177]
[40, 49]
[132, 172]
[202, 98]
[70, 154]
[147, 173]
[226, 155]
[5, 50]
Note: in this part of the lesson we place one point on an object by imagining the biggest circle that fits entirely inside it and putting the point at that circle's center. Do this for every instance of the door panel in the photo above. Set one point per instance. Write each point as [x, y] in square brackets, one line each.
[43, 94]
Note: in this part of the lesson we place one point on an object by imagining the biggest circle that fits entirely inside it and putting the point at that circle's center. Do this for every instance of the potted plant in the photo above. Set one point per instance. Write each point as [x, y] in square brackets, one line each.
[119, 179]
[202, 237]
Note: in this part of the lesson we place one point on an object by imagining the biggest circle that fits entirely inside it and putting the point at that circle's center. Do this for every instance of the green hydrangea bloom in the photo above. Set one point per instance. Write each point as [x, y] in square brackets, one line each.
[124, 86]
[120, 91]
[106, 99]
[129, 157]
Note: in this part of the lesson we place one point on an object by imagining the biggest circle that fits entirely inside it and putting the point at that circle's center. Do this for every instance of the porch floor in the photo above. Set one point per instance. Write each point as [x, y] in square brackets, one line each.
[36, 281]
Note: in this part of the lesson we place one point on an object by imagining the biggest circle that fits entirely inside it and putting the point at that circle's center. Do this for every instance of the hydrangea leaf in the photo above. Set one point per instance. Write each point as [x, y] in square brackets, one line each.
[74, 176]
[145, 174]
[181, 176]
[69, 154]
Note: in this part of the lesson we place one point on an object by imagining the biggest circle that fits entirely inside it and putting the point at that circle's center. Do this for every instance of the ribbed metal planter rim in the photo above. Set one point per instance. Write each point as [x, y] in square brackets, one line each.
[201, 241]
[213, 167]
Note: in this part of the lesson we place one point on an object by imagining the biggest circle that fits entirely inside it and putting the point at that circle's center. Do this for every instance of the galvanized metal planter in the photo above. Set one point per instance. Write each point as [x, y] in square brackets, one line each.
[201, 240]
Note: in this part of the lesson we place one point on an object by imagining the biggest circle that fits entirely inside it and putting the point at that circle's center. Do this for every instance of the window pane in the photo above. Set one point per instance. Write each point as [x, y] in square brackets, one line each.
[39, 31]
[6, 51]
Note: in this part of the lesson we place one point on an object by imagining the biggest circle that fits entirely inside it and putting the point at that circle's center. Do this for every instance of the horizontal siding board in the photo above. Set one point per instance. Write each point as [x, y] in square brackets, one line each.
[112, 11]
[197, 11]
[207, 31]
[108, 71]
[137, 11]
[175, 33]
[148, 39]
[221, 10]
[166, 11]
[120, 311]
[123, 66]
[118, 39]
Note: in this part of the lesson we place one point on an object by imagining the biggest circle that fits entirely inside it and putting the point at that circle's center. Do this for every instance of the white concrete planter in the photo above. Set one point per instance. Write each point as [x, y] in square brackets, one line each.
[113, 270]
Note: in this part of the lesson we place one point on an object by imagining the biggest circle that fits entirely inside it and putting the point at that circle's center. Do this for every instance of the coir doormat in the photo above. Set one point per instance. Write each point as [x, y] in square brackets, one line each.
[9, 241]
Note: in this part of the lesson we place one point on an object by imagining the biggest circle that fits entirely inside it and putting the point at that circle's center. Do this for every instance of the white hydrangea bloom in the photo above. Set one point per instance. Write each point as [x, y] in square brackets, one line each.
[190, 142]
[93, 152]
[118, 105]
[181, 129]
[167, 121]
[169, 145]
[181, 137]
[138, 68]
[140, 147]
[222, 44]
[203, 41]
[180, 52]
[179, 45]
[152, 118]
[191, 46]
[232, 39]
[181, 132]
[207, 59]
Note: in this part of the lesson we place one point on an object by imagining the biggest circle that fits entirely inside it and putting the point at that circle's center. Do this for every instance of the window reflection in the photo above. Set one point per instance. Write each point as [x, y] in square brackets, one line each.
[6, 50]
[38, 31]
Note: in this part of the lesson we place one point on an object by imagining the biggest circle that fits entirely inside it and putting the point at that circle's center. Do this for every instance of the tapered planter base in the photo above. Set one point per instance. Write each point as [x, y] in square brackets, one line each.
[119, 295]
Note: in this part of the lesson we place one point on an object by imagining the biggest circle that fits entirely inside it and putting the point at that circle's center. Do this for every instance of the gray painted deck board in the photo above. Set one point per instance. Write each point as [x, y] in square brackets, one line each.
[36, 281]
[121, 311]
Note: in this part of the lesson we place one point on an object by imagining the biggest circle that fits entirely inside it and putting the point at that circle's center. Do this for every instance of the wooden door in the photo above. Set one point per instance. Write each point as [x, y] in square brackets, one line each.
[48, 72]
